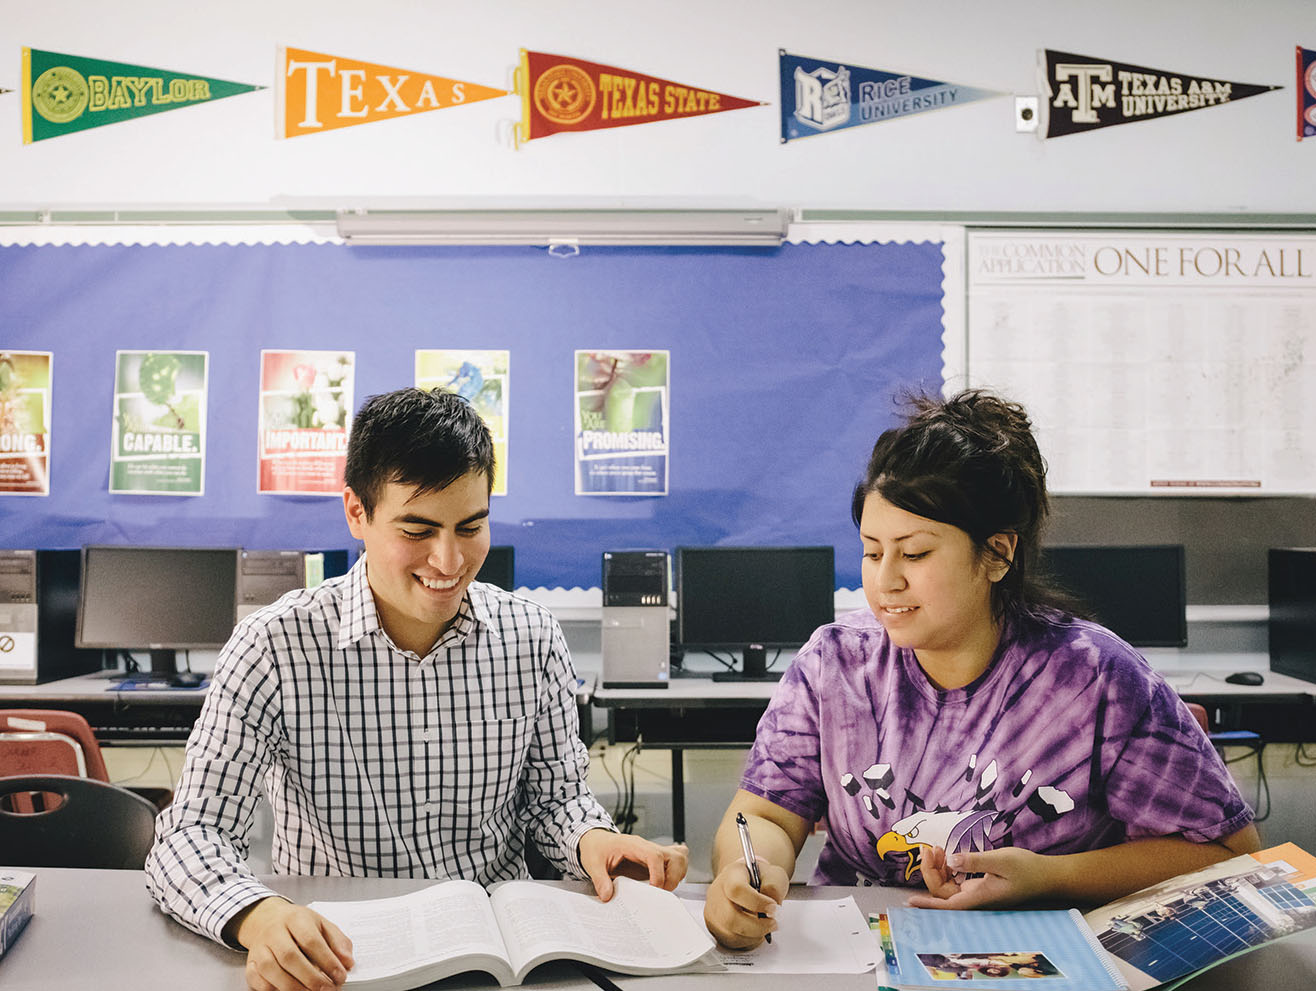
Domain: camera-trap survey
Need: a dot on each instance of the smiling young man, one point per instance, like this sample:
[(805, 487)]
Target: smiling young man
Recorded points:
[(404, 720)]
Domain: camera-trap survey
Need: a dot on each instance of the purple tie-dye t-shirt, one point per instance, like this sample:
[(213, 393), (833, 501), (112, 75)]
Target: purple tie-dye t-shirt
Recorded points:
[(1068, 742)]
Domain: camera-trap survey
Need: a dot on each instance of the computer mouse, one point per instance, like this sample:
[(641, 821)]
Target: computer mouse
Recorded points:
[(1245, 678), (188, 679)]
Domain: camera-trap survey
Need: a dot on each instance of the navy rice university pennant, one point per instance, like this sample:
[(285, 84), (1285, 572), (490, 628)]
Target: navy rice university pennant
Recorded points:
[(819, 96), (1086, 93)]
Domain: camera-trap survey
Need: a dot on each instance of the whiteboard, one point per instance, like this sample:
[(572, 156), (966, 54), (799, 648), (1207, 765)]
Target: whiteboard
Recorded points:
[(1153, 363)]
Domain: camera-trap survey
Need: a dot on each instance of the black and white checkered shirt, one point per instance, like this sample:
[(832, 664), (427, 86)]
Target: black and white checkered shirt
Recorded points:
[(376, 762)]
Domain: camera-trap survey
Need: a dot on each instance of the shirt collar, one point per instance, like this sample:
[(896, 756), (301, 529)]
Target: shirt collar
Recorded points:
[(360, 618)]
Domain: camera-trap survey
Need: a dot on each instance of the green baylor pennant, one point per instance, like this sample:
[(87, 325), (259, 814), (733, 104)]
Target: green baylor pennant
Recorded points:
[(64, 93)]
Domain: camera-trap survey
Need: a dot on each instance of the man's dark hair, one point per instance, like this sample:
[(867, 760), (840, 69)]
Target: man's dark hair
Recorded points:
[(413, 437)]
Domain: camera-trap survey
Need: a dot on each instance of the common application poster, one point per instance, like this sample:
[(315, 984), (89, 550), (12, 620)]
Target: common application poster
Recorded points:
[(1153, 363), (481, 378), (25, 422), (305, 415), (158, 433), (622, 416)]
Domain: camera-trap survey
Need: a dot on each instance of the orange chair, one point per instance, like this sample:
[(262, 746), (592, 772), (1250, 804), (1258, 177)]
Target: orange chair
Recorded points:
[(49, 741), (52, 741), (1199, 713)]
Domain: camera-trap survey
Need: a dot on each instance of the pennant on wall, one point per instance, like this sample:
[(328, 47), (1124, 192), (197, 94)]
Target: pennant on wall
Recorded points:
[(64, 93), (819, 96), (567, 94), (318, 92), (1306, 93), (1085, 93)]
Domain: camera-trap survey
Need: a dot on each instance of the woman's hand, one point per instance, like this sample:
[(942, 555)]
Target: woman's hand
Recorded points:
[(1008, 876), (732, 906)]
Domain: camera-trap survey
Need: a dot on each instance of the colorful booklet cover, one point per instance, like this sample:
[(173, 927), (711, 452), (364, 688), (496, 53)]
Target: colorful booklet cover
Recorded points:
[(18, 891), (1168, 932), (1157, 937), (1008, 950)]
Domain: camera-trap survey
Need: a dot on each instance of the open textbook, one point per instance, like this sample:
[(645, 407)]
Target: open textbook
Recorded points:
[(1168, 932), (455, 926)]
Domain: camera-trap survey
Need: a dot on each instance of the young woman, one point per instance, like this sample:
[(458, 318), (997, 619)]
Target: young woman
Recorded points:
[(966, 734)]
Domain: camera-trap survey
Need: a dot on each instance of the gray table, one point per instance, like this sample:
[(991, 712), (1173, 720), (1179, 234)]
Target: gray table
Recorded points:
[(99, 930)]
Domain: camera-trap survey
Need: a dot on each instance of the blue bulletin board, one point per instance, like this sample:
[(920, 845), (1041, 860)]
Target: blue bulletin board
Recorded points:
[(784, 364)]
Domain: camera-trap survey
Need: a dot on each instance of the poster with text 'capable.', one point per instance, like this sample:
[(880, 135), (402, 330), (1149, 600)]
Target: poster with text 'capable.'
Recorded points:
[(306, 399), (622, 422), (158, 433), (1170, 363), (25, 422), (481, 378)]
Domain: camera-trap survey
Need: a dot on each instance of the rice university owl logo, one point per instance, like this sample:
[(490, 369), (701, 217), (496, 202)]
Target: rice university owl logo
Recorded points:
[(822, 97)]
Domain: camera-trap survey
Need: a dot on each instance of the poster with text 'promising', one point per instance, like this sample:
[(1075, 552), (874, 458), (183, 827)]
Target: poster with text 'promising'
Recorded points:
[(158, 434), (479, 377), (25, 422), (305, 415), (622, 416)]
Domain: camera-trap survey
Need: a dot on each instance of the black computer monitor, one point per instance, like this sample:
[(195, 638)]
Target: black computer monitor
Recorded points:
[(160, 599), (1291, 573), (1137, 592), (729, 598), (499, 568)]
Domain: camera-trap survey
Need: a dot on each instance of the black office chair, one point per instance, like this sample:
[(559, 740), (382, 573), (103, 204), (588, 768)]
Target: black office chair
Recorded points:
[(81, 823)]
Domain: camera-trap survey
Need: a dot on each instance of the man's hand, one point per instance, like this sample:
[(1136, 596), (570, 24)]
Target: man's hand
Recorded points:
[(291, 948), (605, 855), (732, 906), (1009, 875)]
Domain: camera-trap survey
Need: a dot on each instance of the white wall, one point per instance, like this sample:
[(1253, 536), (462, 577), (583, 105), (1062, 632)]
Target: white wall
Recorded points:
[(1240, 157)]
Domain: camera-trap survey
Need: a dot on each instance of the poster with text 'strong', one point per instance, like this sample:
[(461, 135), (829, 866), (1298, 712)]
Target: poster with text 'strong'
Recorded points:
[(25, 379)]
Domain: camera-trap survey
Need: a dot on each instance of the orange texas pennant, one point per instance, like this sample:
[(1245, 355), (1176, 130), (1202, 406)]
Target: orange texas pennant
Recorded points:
[(559, 93), (320, 92)]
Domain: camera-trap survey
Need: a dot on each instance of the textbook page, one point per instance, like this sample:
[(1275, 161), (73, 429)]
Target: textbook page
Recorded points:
[(813, 937), (445, 929), (640, 930)]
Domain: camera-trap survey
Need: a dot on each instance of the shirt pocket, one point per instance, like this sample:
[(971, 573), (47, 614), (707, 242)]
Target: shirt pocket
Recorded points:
[(479, 768)]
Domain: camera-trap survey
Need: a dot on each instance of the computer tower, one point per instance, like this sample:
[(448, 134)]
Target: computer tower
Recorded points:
[(1292, 625), (637, 632), (263, 576), (38, 617)]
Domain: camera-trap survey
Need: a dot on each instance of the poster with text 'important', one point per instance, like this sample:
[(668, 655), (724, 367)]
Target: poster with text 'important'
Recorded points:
[(305, 415)]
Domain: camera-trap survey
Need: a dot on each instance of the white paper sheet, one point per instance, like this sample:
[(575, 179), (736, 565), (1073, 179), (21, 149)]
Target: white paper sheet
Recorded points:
[(815, 937)]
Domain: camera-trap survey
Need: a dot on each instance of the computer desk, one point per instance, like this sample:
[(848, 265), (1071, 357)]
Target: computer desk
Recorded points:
[(697, 713), (155, 716), (99, 929)]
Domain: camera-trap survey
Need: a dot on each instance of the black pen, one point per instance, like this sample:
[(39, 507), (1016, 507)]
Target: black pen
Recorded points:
[(755, 881), (597, 976)]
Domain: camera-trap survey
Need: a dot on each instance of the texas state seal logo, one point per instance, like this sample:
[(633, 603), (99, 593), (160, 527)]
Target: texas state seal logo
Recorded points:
[(60, 94), (564, 94)]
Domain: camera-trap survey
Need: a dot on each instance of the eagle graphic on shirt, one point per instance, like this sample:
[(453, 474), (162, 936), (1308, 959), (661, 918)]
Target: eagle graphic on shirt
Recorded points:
[(951, 831), (964, 830)]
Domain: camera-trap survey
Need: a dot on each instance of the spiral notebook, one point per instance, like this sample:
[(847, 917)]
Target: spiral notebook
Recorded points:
[(998, 951)]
